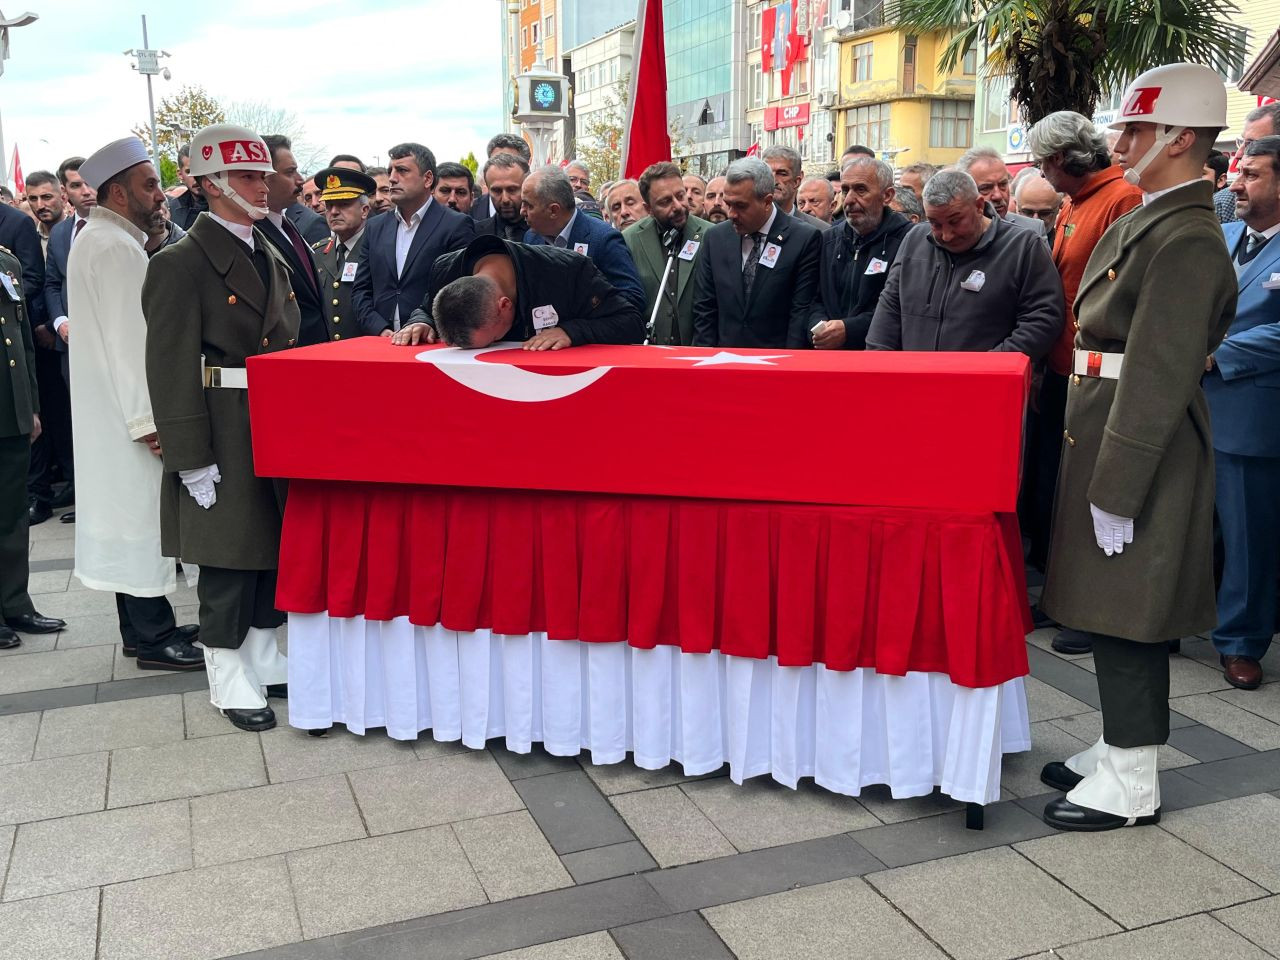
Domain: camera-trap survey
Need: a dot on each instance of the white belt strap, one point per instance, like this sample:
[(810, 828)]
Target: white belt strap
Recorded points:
[(235, 378), (1093, 363)]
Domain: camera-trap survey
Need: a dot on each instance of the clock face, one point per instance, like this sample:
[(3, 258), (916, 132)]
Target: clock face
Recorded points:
[(544, 95)]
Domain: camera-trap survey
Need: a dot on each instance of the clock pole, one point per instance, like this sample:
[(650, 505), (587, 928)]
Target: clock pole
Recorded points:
[(541, 104)]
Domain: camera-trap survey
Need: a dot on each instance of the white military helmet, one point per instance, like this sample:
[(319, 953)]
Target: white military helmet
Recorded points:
[(225, 148), (1176, 96)]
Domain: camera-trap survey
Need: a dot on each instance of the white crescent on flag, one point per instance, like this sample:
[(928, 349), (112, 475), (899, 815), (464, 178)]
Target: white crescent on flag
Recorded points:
[(505, 381)]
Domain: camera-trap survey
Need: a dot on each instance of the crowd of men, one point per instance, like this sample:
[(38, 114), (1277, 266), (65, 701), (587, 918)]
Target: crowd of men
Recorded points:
[(145, 405)]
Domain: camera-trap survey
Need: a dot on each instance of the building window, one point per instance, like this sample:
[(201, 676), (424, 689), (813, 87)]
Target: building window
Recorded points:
[(995, 113), (753, 39), (1231, 67), (951, 124), (970, 65), (534, 28), (524, 36), (862, 62), (755, 86), (869, 126)]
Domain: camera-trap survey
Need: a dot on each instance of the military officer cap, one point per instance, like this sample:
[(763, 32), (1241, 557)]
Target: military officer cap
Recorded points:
[(341, 183)]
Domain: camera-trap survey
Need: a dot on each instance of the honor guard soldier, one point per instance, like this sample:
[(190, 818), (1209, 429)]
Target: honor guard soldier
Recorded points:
[(19, 428), (212, 301), (1131, 555), (346, 194)]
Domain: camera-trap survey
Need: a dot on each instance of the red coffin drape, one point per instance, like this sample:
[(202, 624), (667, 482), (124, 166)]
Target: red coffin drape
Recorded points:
[(890, 589)]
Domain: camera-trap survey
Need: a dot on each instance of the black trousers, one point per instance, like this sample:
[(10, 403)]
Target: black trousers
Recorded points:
[(53, 449), (232, 601), (146, 623), (1133, 687), (1040, 474), (15, 456)]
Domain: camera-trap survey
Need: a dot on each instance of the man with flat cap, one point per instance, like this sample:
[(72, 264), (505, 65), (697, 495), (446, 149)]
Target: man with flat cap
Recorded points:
[(495, 289), (113, 429), (346, 194)]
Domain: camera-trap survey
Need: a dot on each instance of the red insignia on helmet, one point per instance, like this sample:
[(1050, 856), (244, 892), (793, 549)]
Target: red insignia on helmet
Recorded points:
[(1141, 102), (206, 152), (243, 151)]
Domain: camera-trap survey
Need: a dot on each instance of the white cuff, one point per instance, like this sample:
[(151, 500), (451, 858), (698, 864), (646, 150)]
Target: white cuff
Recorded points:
[(58, 322)]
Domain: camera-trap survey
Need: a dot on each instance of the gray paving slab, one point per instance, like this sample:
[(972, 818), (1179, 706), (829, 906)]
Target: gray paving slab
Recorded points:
[(1191, 938), (18, 737), (97, 848), (57, 668), (31, 643), (406, 796), (671, 826), (244, 824), (1045, 702), (108, 726), (571, 812), (1088, 727), (1066, 677), (1114, 871), (592, 946), (1234, 721), (293, 755), (602, 863), (1263, 702), (817, 923), (156, 684), (61, 927), (199, 914), (45, 789), (47, 581), (1239, 776), (203, 719), (33, 701), (40, 566), (1243, 833), (536, 763), (1259, 921), (882, 805), (952, 900), (510, 856), (678, 937), (1020, 772), (91, 630), (364, 883), (763, 813), (426, 747), (931, 838), (626, 777), (77, 603), (187, 768), (761, 872)]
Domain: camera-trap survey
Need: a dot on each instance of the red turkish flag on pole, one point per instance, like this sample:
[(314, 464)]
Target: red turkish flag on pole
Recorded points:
[(19, 182), (646, 139)]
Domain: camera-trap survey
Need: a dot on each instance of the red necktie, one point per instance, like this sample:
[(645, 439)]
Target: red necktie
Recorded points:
[(75, 232)]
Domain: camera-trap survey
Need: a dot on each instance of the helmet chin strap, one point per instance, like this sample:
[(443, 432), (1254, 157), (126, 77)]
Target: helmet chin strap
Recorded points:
[(1163, 139), (221, 182)]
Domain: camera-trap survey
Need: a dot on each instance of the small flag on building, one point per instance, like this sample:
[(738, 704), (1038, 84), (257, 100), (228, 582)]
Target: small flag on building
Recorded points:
[(19, 182), (647, 139)]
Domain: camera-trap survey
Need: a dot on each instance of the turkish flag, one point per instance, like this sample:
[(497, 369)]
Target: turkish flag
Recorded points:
[(647, 140), (19, 182), (768, 20)]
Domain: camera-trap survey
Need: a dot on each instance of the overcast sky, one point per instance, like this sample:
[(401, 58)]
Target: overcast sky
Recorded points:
[(361, 74)]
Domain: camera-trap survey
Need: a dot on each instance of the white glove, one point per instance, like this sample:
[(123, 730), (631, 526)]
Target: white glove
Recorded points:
[(199, 484), (1112, 532)]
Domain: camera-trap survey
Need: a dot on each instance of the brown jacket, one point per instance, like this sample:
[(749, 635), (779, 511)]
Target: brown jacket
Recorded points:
[(1160, 289), (204, 296)]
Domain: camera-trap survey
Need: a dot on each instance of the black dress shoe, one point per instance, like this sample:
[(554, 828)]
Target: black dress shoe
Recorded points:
[(189, 632), (38, 513), (64, 499), (9, 639), (68, 517), (175, 655), (1072, 641), (1065, 815), (263, 719), (1040, 619), (319, 731), (1059, 776), (34, 623), (280, 691)]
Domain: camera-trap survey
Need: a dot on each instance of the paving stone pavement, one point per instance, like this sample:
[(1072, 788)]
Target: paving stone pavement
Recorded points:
[(136, 823)]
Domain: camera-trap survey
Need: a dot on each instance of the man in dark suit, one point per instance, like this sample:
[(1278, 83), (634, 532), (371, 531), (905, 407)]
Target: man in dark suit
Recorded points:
[(1243, 387), (281, 232), (399, 249), (504, 175), (548, 204), (345, 194), (669, 233), (759, 272), (184, 209), (286, 191), (513, 145), (498, 290)]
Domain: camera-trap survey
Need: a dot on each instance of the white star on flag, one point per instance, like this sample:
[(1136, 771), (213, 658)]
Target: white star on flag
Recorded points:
[(724, 356)]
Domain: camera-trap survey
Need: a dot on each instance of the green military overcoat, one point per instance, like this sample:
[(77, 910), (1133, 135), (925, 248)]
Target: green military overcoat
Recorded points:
[(1161, 289), (644, 241), (19, 399), (203, 295), (335, 293)]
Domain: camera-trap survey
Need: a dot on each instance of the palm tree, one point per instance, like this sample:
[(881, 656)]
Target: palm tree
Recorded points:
[(1064, 54)]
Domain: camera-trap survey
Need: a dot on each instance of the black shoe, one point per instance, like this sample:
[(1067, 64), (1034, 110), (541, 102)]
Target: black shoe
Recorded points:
[(189, 632), (66, 498), (319, 731), (68, 517), (1040, 619), (34, 623), (1072, 641), (9, 639), (1175, 646), (129, 651), (1065, 815), (38, 513), (280, 691), (175, 655), (263, 719), (1059, 776)]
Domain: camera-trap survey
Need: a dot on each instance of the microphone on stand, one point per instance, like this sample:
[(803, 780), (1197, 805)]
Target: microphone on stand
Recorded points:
[(669, 241)]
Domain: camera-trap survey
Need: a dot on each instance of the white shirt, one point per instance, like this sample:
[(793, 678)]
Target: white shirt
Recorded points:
[(241, 231), (564, 234), (405, 233), (76, 220), (350, 243), (747, 240), (1151, 197)]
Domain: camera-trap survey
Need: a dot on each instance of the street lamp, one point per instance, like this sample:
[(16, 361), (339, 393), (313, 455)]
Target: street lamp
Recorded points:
[(149, 65), (22, 20)]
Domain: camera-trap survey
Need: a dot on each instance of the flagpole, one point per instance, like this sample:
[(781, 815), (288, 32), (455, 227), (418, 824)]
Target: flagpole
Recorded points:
[(637, 45)]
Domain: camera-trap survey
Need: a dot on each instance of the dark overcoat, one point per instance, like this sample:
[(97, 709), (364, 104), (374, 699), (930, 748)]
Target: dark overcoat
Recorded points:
[(1159, 288)]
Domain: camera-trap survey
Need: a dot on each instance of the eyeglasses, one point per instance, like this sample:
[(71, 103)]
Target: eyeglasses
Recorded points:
[(1241, 143)]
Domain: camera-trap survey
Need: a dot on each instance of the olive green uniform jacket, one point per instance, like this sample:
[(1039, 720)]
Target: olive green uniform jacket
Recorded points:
[(644, 240), (203, 295), (335, 293), (1161, 289), (19, 400)]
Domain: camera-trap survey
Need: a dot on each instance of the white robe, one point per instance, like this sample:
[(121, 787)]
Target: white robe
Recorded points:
[(117, 478)]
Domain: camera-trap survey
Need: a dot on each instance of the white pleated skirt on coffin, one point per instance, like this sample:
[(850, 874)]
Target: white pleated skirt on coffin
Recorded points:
[(846, 729)]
